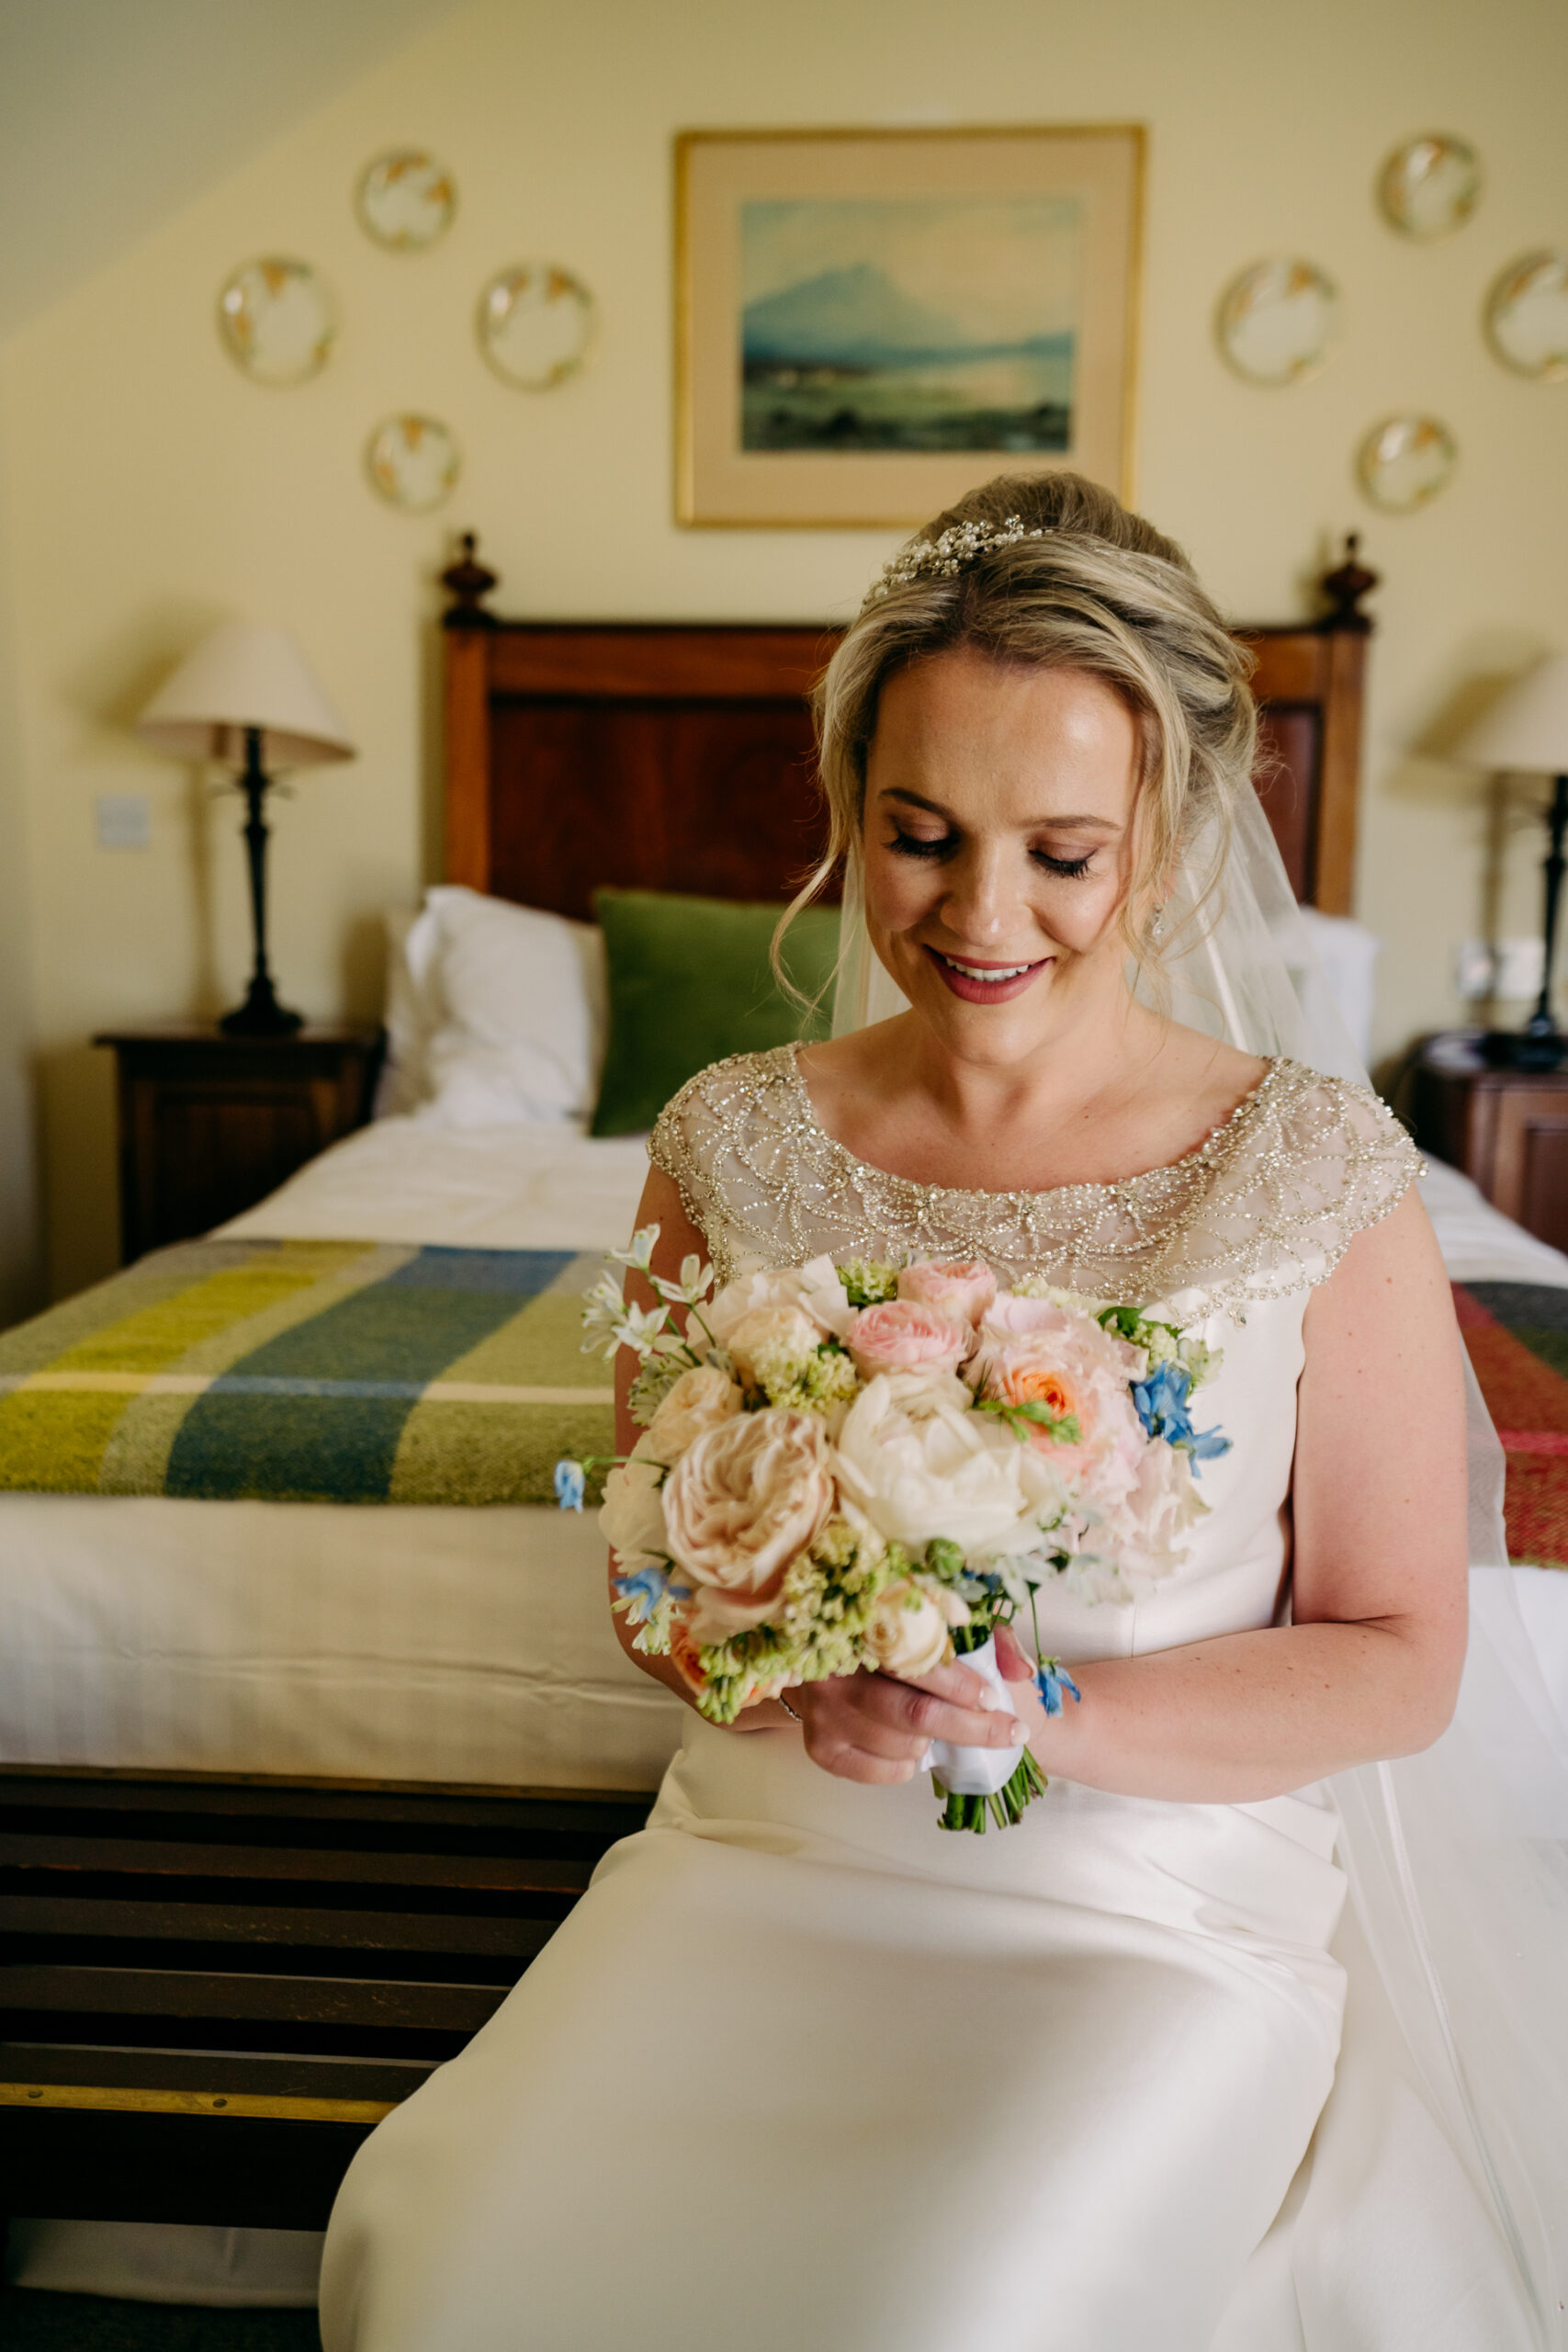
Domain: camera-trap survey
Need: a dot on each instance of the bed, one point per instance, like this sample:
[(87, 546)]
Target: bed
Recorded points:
[(378, 1746)]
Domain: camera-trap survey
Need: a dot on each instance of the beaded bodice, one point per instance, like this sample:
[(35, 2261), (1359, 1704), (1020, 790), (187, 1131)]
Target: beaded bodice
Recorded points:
[(1268, 1204)]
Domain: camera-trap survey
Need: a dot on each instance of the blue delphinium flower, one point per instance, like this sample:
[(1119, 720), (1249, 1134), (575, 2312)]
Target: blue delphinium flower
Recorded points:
[(1050, 1679), (571, 1485), (1162, 1404), (644, 1589)]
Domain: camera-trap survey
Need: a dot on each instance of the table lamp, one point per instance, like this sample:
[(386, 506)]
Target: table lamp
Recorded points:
[(1526, 733), (247, 696)]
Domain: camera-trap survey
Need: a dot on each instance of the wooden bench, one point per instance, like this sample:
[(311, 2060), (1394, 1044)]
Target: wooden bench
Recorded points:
[(212, 1991)]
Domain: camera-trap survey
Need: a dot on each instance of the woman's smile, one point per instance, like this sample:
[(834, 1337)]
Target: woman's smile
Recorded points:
[(985, 983)]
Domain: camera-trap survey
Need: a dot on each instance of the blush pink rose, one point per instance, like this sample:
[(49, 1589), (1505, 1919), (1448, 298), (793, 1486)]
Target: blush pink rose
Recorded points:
[(1010, 1313), (905, 1335), (963, 1288)]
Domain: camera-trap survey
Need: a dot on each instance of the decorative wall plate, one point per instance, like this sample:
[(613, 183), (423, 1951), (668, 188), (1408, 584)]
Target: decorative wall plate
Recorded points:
[(278, 319), (1527, 314), (406, 200), (1430, 187), (1278, 321), (1405, 461), (412, 461), (536, 324)]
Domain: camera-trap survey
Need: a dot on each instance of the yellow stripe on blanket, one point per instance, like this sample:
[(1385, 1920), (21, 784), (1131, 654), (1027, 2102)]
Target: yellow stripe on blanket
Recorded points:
[(207, 1324), (185, 1384)]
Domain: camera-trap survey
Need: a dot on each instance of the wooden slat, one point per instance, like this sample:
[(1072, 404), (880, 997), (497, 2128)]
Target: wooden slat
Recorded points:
[(229, 2106), (62, 1917), (173, 1993), (154, 1858), (200, 2072), (610, 1814)]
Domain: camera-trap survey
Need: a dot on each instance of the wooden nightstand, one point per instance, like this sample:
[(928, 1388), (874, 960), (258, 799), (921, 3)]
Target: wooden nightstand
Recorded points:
[(1507, 1128), (210, 1124)]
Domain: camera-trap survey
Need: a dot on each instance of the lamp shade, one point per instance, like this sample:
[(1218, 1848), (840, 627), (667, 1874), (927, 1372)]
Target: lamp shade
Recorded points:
[(242, 676), (1526, 730)]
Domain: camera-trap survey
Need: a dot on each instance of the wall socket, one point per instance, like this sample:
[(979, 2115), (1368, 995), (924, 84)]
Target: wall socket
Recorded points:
[(1511, 969), (122, 820)]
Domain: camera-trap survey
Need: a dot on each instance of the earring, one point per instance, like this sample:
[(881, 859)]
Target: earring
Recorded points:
[(1159, 923)]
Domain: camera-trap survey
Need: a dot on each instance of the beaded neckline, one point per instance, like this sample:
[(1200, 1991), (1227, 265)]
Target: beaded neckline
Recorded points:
[(1268, 1203), (1227, 1131)]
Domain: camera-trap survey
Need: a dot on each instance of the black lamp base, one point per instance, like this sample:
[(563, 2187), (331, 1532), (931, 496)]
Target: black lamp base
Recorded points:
[(1527, 1048), (261, 1015)]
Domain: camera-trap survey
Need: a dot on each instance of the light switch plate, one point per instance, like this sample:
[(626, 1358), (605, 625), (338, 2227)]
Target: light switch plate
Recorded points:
[(1521, 964), (122, 820)]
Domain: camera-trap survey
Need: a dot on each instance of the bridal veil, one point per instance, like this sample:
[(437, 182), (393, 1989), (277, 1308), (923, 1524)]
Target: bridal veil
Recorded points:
[(1458, 1858)]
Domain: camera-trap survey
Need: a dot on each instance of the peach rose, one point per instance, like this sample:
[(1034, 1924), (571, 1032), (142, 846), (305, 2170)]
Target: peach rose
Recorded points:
[(1068, 1363), (963, 1288), (738, 1507), (905, 1335), (698, 1401)]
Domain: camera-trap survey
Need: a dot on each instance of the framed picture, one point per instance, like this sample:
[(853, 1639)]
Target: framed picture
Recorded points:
[(871, 322)]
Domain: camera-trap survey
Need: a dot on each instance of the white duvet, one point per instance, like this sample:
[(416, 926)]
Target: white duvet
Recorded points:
[(365, 1642), (386, 1642)]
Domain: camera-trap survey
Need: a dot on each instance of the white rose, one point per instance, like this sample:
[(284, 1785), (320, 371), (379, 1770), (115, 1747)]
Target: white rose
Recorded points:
[(920, 1464), (907, 1633), (631, 1518), (815, 1288), (699, 1401), (750, 1294), (739, 1507), (787, 1329)]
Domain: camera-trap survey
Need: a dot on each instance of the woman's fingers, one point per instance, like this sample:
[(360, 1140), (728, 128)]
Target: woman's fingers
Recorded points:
[(1013, 1665), (923, 1711)]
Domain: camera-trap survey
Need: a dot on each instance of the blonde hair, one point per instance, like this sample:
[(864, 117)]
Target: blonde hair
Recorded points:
[(1100, 591)]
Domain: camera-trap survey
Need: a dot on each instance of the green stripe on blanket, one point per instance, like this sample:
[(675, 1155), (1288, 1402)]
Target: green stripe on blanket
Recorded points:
[(309, 1371)]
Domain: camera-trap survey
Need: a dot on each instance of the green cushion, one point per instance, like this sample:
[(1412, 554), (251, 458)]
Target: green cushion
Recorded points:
[(690, 981)]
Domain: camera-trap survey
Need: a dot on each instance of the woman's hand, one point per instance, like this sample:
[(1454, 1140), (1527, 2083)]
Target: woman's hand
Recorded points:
[(872, 1727)]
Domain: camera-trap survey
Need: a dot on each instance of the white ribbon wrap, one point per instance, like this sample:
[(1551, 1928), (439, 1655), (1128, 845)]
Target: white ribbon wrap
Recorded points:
[(977, 1772)]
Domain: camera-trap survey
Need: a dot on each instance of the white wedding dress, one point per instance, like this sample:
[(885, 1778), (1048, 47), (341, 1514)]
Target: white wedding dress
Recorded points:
[(801, 2070)]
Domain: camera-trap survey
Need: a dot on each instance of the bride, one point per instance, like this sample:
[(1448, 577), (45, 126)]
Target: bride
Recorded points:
[(799, 2070)]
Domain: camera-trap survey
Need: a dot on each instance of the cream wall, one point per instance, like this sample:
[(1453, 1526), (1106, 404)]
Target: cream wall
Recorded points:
[(151, 489)]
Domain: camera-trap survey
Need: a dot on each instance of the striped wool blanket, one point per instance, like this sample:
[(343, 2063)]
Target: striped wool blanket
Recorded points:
[(1517, 1337), (335, 1372)]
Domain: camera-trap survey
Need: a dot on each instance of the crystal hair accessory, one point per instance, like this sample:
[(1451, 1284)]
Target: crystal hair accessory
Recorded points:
[(952, 552)]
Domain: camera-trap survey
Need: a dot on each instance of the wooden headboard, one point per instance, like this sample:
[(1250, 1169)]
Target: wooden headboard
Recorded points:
[(675, 756)]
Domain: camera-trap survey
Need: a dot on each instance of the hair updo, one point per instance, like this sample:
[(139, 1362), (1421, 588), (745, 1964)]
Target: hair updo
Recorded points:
[(1101, 590)]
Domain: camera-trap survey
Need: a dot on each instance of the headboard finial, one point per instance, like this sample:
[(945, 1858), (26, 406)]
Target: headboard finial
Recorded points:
[(1346, 586), (467, 582)]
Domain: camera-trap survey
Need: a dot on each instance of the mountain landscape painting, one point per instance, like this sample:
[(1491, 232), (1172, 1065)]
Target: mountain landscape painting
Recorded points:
[(912, 325)]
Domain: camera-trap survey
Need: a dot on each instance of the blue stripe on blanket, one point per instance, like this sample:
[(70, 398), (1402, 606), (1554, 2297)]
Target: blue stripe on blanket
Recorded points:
[(348, 1379)]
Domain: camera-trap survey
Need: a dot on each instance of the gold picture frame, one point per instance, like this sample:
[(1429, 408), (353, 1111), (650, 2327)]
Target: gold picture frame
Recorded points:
[(870, 322)]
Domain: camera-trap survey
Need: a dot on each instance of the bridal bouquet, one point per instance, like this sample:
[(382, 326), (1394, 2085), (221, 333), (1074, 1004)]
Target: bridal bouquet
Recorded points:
[(857, 1464)]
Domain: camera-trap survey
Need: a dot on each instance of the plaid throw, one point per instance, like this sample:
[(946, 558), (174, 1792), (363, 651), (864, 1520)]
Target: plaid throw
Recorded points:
[(1518, 1338), (334, 1372)]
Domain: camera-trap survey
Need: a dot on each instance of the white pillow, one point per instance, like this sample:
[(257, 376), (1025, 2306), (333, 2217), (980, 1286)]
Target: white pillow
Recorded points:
[(497, 1014), (404, 1082)]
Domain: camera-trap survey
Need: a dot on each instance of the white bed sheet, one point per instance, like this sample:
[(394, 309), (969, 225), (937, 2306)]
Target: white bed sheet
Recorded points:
[(363, 1642), (382, 1642)]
